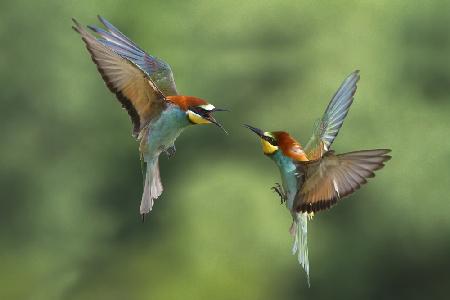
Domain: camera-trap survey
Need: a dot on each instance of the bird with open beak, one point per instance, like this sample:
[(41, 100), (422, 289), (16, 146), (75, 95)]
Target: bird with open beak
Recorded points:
[(314, 178), (145, 87)]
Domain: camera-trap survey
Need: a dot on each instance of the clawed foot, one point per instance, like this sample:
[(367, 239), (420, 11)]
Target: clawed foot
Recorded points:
[(279, 190), (171, 151)]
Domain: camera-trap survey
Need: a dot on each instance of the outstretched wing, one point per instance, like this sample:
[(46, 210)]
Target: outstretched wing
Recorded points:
[(134, 89), (323, 182), (327, 128), (158, 70)]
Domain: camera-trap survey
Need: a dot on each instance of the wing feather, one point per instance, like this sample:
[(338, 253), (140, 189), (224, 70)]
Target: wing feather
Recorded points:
[(333, 177), (327, 128), (157, 69), (134, 89)]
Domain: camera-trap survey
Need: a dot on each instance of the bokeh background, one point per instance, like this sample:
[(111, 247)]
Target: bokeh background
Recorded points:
[(70, 173)]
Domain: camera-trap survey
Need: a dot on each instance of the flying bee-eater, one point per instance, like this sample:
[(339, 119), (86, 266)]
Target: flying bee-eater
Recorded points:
[(314, 178), (145, 86)]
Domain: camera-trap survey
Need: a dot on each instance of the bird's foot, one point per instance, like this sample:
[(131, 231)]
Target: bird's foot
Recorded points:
[(279, 190), (171, 151), (310, 216)]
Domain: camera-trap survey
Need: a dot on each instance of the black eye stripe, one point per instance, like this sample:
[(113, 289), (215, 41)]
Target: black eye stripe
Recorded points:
[(200, 111), (271, 140)]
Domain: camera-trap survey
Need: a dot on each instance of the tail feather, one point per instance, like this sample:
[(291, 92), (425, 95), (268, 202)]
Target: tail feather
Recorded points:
[(299, 230), (152, 187)]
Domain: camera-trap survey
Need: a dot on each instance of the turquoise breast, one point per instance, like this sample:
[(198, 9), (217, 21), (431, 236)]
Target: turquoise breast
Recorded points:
[(287, 171), (164, 131)]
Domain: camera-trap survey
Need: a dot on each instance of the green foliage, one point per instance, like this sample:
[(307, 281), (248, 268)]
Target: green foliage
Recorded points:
[(70, 175)]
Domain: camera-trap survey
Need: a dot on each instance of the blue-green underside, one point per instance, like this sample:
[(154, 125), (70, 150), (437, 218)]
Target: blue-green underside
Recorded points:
[(160, 135), (164, 131), (300, 220)]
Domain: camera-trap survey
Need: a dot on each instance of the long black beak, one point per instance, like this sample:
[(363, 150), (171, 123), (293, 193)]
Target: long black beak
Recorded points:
[(214, 121), (219, 109), (258, 131)]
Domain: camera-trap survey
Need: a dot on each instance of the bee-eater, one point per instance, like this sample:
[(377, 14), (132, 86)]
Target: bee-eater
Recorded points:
[(145, 87), (315, 178)]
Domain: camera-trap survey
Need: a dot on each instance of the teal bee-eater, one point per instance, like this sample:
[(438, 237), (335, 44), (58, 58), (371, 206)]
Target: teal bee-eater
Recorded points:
[(145, 87), (314, 178)]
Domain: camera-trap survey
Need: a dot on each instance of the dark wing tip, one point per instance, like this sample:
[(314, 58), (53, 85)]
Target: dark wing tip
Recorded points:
[(106, 23), (356, 73), (352, 76), (76, 25), (93, 28), (383, 153), (317, 206), (101, 19)]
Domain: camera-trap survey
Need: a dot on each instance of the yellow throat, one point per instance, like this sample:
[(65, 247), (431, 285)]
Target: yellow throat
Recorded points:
[(267, 147), (196, 119)]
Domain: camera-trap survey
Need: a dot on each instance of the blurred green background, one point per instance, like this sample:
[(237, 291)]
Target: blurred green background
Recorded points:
[(70, 173)]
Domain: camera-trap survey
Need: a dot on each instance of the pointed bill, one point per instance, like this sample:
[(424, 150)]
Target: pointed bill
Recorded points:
[(258, 131), (215, 122)]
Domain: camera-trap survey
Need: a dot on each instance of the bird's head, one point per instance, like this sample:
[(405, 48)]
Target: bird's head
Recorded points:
[(198, 111), (279, 140)]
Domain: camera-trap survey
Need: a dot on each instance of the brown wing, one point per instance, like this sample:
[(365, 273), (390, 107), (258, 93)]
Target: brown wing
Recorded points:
[(134, 89), (333, 177)]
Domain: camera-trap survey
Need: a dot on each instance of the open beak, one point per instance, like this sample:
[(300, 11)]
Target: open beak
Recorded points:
[(210, 118), (258, 131)]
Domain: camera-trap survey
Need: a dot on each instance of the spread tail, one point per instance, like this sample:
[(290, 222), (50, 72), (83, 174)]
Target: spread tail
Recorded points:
[(152, 187), (299, 229)]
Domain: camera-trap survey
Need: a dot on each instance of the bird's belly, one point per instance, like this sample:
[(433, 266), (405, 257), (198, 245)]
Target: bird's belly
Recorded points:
[(290, 186), (165, 130), (163, 136), (288, 179)]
